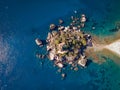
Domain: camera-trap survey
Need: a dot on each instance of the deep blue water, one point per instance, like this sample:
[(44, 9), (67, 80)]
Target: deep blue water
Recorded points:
[(21, 21)]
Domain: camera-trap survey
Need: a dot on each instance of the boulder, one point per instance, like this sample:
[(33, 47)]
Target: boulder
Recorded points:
[(82, 62), (72, 17), (60, 65), (51, 56), (76, 68), (61, 28), (52, 26), (38, 42), (83, 18), (61, 21), (63, 75)]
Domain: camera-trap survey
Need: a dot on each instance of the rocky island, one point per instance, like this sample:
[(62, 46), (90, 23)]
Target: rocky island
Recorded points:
[(71, 46), (66, 45)]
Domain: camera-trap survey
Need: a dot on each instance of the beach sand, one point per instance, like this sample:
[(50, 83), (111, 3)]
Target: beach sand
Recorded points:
[(103, 49), (114, 47), (111, 43)]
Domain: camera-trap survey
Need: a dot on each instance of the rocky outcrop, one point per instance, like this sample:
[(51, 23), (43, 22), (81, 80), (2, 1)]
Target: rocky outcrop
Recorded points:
[(52, 26), (38, 42), (83, 18), (82, 61)]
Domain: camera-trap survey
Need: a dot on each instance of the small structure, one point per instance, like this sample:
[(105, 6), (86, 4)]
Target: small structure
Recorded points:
[(82, 25), (38, 42)]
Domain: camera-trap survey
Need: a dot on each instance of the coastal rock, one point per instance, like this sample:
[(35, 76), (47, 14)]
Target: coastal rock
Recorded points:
[(40, 56), (63, 75), (49, 36), (72, 17), (54, 33), (75, 28), (60, 65), (82, 25), (76, 68), (48, 48), (52, 26), (51, 56), (79, 26), (82, 61), (75, 11), (61, 28), (38, 42), (59, 70), (83, 18)]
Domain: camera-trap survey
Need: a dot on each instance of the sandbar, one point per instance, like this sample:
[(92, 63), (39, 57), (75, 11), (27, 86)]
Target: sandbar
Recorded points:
[(114, 47)]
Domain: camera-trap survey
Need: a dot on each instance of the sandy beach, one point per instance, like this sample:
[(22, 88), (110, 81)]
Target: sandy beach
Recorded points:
[(114, 47), (106, 49)]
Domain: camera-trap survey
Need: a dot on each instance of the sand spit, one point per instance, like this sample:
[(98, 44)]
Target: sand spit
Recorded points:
[(114, 47)]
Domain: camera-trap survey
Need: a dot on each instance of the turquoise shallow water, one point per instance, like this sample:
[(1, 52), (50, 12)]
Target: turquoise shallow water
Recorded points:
[(22, 21)]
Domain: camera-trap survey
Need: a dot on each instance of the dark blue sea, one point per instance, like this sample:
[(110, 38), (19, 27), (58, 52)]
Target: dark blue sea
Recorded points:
[(21, 21)]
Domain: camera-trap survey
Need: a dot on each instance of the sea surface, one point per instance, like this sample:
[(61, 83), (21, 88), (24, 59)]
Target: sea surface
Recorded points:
[(21, 21)]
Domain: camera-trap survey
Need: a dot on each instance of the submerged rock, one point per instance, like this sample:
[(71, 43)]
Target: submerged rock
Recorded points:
[(82, 25), (72, 17), (59, 70), (76, 68), (61, 28), (60, 65), (40, 56), (61, 21)]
